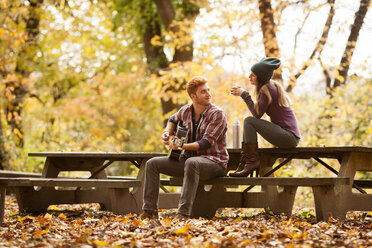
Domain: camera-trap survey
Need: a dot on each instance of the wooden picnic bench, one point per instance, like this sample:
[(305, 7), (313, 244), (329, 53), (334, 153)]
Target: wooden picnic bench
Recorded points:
[(26, 185), (333, 196), (38, 191)]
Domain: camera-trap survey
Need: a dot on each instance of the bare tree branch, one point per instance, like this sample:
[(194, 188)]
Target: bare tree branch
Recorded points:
[(318, 48)]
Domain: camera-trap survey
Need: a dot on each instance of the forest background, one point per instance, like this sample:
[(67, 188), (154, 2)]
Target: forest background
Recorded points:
[(104, 75)]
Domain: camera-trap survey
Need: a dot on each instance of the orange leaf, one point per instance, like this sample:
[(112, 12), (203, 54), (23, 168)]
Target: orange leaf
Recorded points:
[(166, 222)]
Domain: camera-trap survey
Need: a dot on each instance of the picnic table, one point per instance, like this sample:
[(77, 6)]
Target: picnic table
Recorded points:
[(121, 195), (333, 196)]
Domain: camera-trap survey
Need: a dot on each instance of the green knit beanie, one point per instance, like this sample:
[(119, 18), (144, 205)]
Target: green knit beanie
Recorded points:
[(265, 68)]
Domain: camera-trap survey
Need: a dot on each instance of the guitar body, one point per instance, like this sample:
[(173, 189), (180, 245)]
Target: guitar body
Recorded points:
[(180, 137)]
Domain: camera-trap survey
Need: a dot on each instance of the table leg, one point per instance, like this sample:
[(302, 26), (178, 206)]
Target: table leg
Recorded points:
[(105, 202), (2, 203), (351, 163), (49, 170), (279, 199), (207, 202), (124, 201), (335, 201), (326, 203)]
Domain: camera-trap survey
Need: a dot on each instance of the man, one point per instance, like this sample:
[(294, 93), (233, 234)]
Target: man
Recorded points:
[(205, 155)]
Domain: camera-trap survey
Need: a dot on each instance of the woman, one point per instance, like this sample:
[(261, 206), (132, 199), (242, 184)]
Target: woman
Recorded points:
[(282, 131)]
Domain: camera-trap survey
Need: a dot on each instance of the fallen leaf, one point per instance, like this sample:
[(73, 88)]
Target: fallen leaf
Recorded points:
[(100, 243), (182, 230), (166, 222)]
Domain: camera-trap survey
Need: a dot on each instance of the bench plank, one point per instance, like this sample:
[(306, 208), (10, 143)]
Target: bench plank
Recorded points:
[(118, 156), (8, 173), (282, 181), (68, 182), (306, 152)]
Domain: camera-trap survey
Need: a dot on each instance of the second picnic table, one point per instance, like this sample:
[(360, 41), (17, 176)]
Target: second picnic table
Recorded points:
[(119, 198)]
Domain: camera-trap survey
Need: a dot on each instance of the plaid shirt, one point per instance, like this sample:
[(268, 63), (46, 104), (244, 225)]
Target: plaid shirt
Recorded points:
[(212, 127)]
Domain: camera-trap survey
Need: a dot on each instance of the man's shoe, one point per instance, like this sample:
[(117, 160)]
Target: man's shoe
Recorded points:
[(148, 214)]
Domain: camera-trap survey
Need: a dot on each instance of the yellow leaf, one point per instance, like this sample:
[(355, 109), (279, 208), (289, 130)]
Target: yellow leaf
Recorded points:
[(10, 116), (238, 219), (48, 216), (183, 230), (16, 131), (100, 243), (39, 233), (53, 207), (62, 216)]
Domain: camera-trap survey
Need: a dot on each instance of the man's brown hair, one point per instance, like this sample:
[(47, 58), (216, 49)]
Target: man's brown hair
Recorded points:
[(194, 83)]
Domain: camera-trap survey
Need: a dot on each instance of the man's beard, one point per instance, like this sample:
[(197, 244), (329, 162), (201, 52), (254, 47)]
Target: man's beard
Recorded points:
[(202, 101)]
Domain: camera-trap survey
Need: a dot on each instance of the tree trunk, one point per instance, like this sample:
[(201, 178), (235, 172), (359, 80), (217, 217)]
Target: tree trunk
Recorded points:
[(4, 160), (156, 58), (268, 28), (351, 42), (17, 89), (182, 53)]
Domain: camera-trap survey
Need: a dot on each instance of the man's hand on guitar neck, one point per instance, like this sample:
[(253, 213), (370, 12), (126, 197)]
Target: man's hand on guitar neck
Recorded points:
[(194, 146), (174, 146)]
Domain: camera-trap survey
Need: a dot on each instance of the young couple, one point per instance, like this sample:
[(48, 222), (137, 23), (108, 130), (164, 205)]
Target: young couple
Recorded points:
[(205, 155)]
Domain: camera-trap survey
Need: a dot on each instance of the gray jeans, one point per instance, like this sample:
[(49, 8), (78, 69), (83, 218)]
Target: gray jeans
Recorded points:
[(191, 169), (271, 132)]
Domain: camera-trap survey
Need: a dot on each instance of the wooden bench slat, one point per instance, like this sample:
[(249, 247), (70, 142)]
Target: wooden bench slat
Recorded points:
[(117, 156), (363, 183), (69, 182), (305, 152), (283, 181), (11, 174), (320, 150), (8, 173)]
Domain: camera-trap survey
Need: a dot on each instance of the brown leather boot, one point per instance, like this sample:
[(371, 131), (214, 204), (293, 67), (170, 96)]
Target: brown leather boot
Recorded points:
[(252, 162), (243, 159)]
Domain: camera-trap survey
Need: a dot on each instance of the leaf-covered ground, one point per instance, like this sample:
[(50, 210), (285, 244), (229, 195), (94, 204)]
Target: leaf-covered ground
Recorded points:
[(86, 226)]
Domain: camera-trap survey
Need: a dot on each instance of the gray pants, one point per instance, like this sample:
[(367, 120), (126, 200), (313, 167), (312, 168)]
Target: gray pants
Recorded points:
[(271, 132), (191, 169)]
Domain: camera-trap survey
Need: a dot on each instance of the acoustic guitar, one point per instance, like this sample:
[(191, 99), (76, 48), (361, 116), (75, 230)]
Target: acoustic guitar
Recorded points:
[(179, 139)]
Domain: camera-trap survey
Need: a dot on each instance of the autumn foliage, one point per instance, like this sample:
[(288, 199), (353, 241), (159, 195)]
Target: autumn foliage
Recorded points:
[(91, 75)]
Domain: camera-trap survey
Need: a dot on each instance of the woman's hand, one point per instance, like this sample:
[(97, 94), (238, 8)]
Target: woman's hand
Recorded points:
[(236, 91)]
